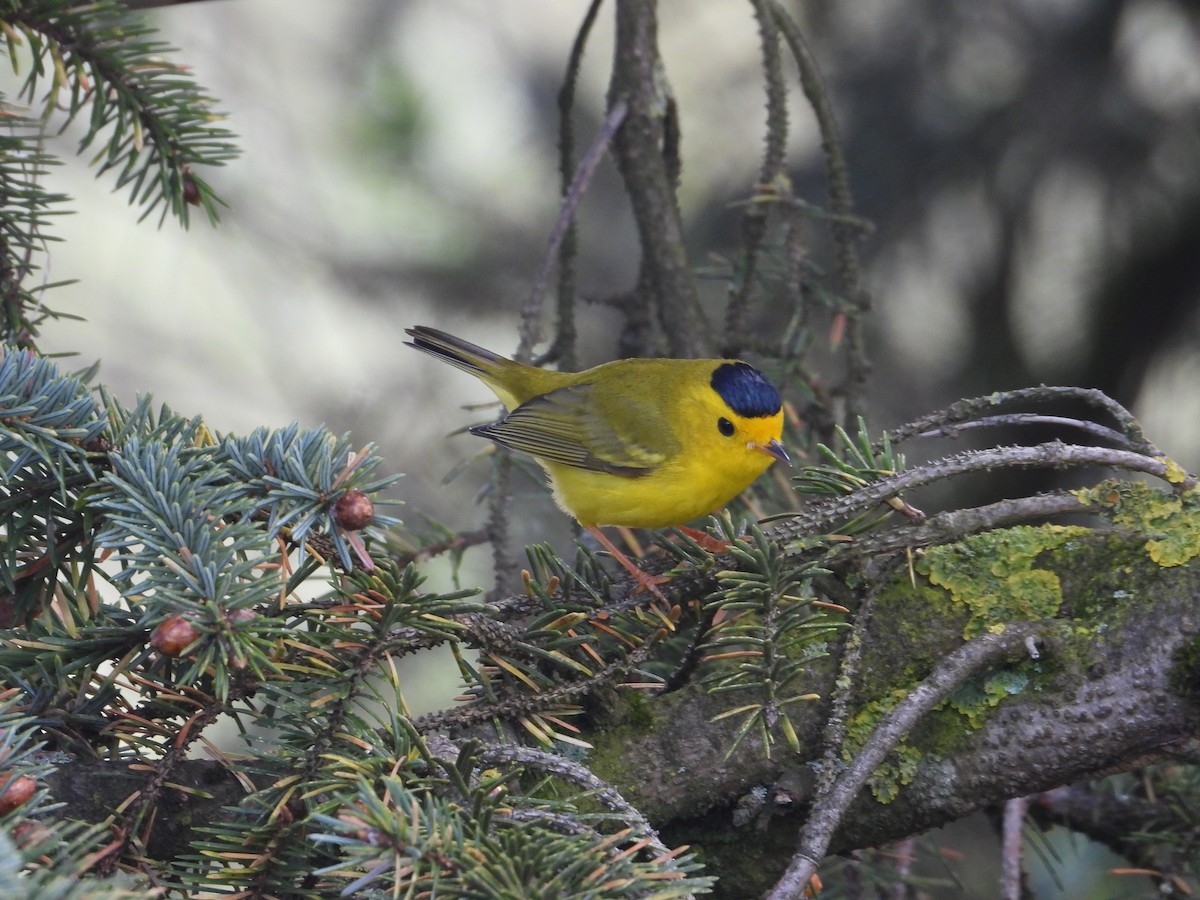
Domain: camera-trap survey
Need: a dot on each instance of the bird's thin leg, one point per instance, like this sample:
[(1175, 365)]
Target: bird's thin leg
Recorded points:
[(644, 579)]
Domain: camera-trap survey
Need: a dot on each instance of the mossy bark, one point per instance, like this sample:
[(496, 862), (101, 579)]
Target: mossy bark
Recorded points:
[(1116, 687)]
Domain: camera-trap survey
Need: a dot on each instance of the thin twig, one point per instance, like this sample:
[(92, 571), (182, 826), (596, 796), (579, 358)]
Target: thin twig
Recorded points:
[(518, 703), (841, 202), (563, 346), (600, 791), (563, 224), (976, 407), (1010, 848), (1095, 429), (463, 540), (1053, 454), (754, 219), (497, 524), (155, 4), (530, 313), (956, 524), (904, 854), (847, 680)]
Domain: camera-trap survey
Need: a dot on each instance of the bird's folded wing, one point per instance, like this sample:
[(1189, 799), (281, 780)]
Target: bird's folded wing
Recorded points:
[(564, 427)]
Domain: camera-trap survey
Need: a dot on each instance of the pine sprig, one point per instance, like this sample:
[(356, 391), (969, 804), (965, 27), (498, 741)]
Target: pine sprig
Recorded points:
[(47, 423), (25, 206), (767, 633), (39, 855), (401, 842), (154, 128), (46, 418), (197, 554), (859, 464), (335, 716), (153, 123), (297, 477), (567, 639)]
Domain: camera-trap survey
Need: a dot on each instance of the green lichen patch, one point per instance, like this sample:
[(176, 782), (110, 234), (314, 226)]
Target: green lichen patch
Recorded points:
[(1078, 577), (938, 733), (1172, 520), (900, 766), (975, 699), (993, 575)]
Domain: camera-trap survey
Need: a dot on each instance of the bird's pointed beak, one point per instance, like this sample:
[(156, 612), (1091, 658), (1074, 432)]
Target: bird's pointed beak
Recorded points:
[(773, 448)]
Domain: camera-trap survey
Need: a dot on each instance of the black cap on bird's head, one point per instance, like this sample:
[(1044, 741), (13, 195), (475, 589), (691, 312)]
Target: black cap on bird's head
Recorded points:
[(745, 390)]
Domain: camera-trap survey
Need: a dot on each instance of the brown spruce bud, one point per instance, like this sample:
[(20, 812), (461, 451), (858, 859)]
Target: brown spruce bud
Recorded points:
[(353, 511), (233, 617), (8, 611), (191, 190), (17, 792), (174, 635), (30, 834), (98, 444)]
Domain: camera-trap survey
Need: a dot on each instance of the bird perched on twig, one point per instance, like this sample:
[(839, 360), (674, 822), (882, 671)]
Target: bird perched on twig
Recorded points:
[(644, 443)]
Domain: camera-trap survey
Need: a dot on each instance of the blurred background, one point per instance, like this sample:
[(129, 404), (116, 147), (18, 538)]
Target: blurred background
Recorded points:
[(1031, 167), (1032, 170)]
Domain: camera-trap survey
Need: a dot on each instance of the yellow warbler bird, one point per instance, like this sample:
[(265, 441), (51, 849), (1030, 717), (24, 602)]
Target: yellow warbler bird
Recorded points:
[(645, 443)]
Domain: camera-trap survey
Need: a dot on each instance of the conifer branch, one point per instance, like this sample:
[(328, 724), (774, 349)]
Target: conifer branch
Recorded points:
[(154, 129)]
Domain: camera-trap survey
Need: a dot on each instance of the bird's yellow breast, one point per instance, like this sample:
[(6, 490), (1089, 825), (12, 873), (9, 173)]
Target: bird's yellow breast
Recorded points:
[(704, 470)]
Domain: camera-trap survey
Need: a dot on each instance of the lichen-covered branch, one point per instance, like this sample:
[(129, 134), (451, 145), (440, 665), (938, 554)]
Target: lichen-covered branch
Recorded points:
[(1114, 689), (829, 809)]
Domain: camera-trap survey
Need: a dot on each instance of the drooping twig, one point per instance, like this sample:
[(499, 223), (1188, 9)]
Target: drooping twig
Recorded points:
[(563, 347), (978, 407), (564, 226), (639, 80), (841, 203), (497, 526), (847, 681), (1012, 827)]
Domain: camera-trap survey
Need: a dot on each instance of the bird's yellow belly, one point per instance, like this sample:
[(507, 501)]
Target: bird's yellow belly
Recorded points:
[(667, 496)]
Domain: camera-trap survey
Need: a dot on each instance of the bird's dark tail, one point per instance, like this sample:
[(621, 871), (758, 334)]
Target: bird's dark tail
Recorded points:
[(459, 353)]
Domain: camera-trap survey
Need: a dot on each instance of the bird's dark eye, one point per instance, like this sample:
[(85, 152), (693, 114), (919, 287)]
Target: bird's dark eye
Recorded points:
[(725, 426)]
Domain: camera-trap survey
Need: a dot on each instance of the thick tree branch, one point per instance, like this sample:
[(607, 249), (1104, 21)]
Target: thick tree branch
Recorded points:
[(1106, 698)]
